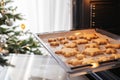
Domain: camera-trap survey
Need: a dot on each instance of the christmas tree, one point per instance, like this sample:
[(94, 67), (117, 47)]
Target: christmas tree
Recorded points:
[(10, 41)]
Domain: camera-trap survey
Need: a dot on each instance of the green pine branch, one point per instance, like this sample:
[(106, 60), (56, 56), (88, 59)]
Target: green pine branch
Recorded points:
[(13, 42)]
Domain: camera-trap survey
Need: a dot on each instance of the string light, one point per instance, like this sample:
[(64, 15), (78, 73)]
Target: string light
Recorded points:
[(23, 26)]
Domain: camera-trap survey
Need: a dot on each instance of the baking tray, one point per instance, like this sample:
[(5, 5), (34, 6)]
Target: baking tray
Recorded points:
[(43, 37)]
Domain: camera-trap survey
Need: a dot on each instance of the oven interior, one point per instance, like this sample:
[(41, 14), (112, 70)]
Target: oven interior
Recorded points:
[(103, 14)]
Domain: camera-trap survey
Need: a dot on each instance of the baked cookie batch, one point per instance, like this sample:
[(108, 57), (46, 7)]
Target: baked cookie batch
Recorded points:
[(84, 49)]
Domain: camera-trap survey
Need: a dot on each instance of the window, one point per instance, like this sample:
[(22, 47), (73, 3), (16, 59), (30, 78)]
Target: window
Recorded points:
[(46, 15)]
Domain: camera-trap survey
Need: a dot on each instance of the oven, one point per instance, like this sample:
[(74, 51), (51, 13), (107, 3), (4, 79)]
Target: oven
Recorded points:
[(101, 16)]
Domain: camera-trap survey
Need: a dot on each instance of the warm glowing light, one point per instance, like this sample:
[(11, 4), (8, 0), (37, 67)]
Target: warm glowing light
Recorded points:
[(23, 26), (93, 6), (77, 34), (94, 65)]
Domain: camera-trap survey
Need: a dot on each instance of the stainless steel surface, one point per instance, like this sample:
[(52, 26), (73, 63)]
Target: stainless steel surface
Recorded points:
[(108, 34), (79, 70)]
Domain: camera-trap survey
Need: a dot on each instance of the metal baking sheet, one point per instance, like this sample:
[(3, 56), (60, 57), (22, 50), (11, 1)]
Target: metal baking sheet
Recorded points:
[(43, 38)]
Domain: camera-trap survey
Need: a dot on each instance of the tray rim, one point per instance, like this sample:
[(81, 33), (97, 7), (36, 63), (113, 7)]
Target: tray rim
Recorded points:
[(68, 69)]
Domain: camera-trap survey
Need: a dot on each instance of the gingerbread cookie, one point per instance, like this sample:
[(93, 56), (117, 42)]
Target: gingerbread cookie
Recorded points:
[(88, 61), (118, 56), (80, 41), (67, 52), (101, 41), (115, 56), (60, 38), (116, 46), (74, 62), (88, 36), (70, 45), (54, 43), (92, 45), (51, 39), (112, 56), (64, 41), (110, 51), (80, 56), (72, 37), (103, 58), (92, 51)]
